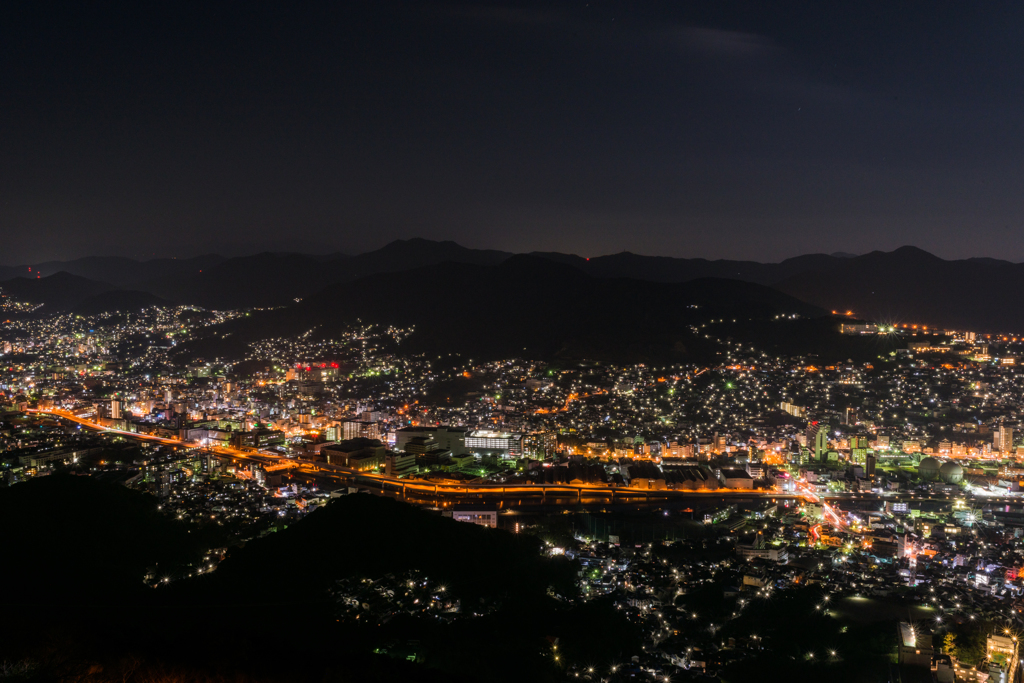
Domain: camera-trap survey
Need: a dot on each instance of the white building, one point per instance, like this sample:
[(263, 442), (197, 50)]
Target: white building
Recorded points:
[(489, 442)]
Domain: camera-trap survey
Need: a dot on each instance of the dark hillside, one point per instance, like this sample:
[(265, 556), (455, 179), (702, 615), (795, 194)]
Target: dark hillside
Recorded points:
[(524, 307)]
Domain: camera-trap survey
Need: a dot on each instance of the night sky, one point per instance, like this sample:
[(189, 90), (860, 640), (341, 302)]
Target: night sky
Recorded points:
[(756, 130)]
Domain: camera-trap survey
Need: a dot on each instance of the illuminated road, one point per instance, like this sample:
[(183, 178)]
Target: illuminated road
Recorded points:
[(235, 453), (432, 490), (830, 514)]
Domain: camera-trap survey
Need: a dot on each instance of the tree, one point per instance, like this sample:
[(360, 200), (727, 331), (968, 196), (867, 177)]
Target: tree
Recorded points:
[(970, 644), (949, 644)]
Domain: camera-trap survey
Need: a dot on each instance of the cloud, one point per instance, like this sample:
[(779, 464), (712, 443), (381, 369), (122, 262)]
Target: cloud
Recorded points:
[(719, 42)]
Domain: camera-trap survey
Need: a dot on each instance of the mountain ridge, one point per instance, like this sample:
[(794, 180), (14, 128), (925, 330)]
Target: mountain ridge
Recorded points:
[(907, 283)]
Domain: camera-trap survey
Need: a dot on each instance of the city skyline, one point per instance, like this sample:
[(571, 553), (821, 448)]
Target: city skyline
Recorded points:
[(867, 484)]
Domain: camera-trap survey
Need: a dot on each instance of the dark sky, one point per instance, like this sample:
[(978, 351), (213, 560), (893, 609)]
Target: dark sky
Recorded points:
[(754, 130)]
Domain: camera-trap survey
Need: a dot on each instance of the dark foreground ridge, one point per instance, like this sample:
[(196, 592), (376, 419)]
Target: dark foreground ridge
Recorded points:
[(85, 615)]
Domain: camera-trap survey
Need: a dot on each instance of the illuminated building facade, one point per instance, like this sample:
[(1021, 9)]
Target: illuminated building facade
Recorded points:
[(488, 442)]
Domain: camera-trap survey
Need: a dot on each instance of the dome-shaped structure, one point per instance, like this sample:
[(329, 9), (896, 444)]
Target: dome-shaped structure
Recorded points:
[(951, 473), (929, 469)]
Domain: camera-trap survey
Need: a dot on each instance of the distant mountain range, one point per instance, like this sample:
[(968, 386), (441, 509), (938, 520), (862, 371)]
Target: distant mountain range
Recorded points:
[(910, 285), (907, 284), (58, 292)]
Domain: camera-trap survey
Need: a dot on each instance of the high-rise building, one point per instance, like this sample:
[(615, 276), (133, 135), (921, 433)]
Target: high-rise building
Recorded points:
[(1002, 439), (793, 409), (360, 429), (817, 440), (115, 408), (540, 444)]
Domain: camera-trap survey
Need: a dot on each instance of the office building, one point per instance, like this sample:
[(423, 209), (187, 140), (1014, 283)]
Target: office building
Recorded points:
[(817, 440), (358, 454), (399, 464), (448, 438), (1002, 439), (483, 515), (360, 429), (500, 444)]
